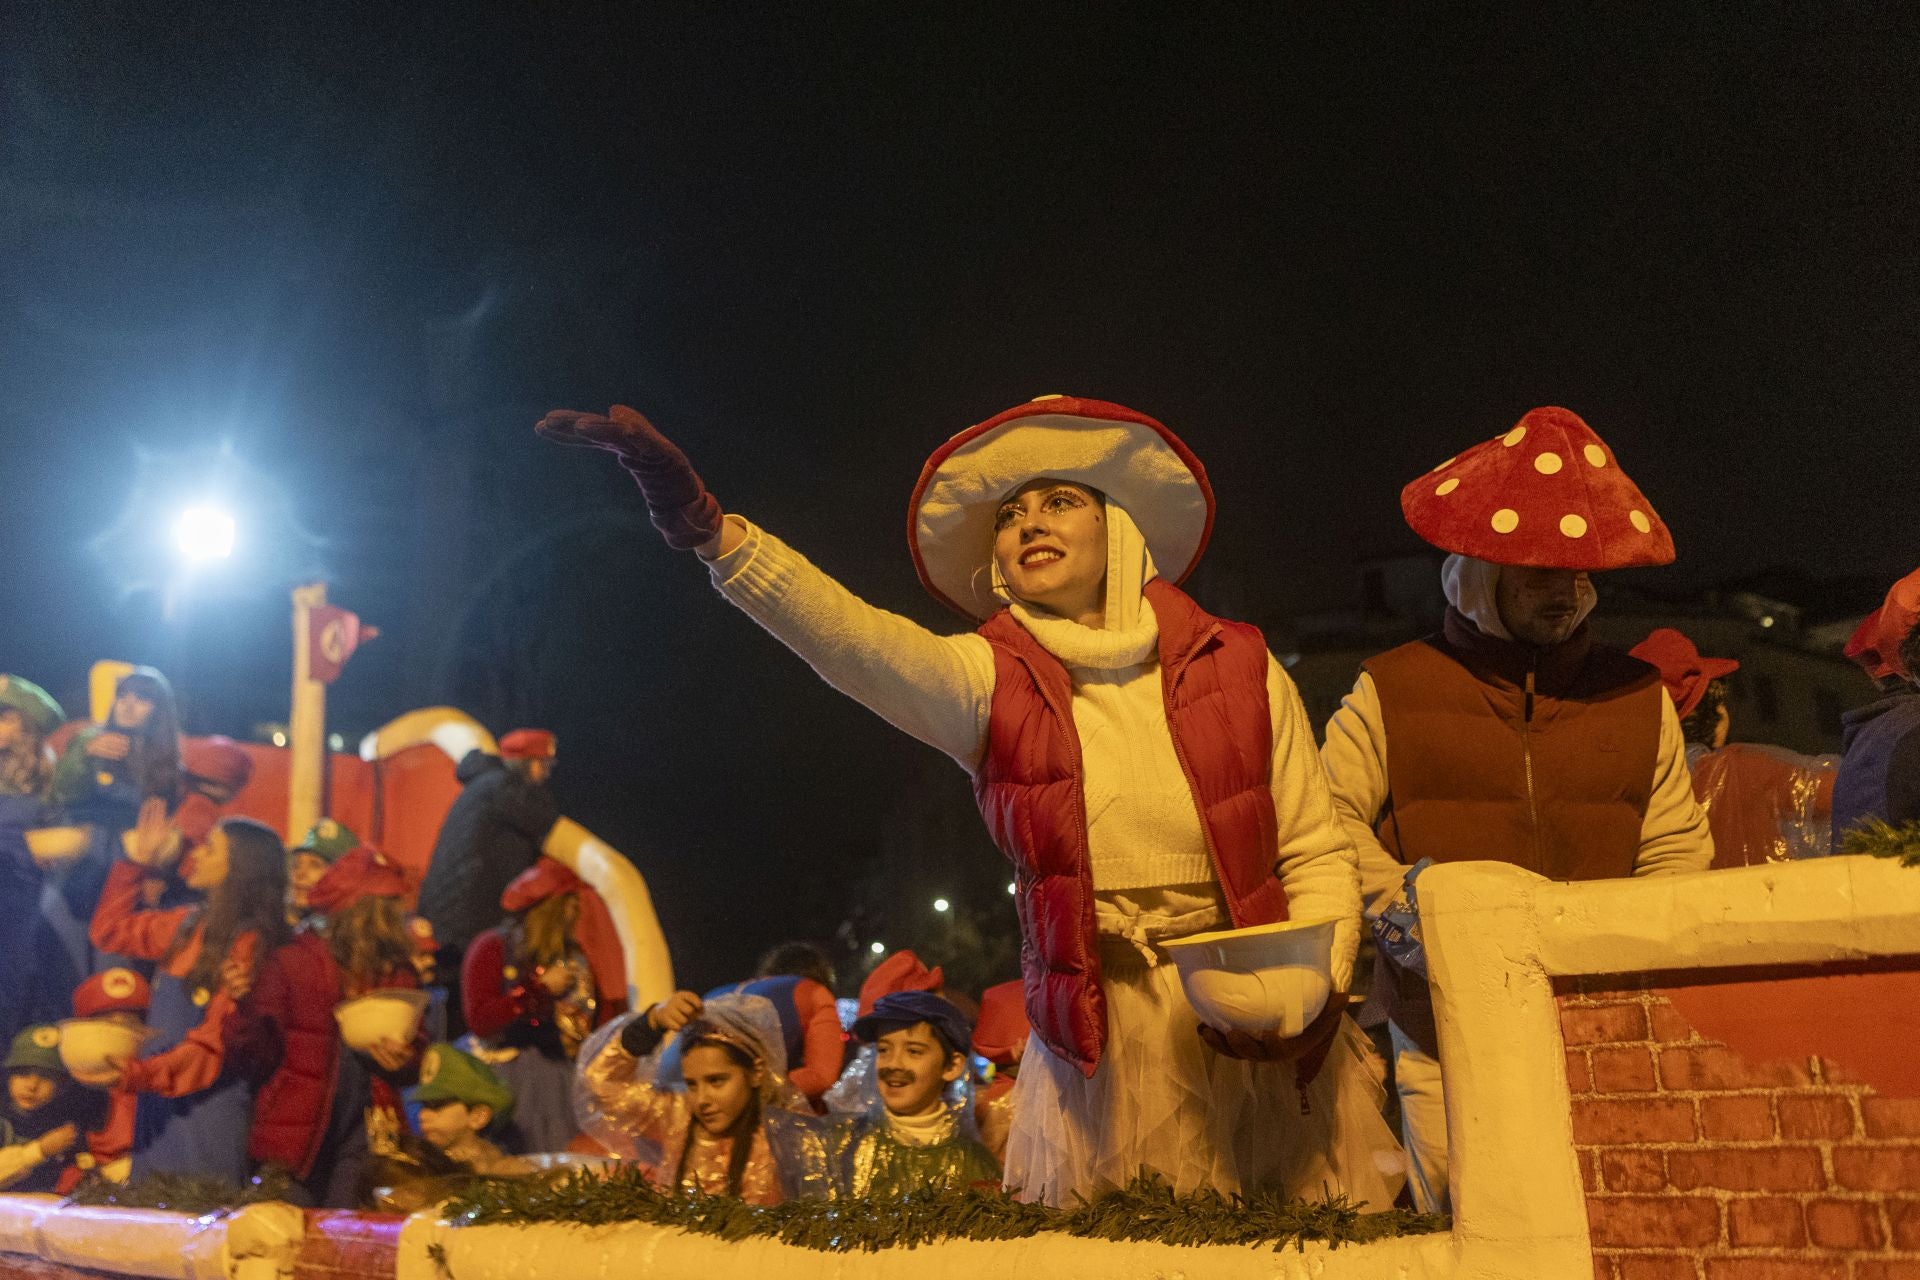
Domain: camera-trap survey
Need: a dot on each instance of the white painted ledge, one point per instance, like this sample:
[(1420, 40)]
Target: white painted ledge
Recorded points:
[(253, 1243)]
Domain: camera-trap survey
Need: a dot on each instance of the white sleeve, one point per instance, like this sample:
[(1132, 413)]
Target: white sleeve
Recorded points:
[(937, 688), (1355, 756), (1674, 836), (1316, 863)]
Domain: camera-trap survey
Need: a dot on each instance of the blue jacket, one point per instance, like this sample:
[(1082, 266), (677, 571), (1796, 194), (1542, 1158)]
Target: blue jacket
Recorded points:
[(1880, 773)]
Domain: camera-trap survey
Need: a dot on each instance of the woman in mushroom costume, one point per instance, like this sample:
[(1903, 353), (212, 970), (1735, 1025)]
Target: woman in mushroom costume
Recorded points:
[(1147, 768)]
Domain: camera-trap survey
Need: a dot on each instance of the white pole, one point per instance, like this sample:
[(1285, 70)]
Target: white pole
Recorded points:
[(306, 722)]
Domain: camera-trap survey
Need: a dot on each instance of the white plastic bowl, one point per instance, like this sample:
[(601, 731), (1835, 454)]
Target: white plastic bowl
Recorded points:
[(1271, 978), (392, 1013), (87, 1043)]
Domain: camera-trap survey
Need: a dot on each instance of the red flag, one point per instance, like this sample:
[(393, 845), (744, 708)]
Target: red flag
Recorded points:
[(332, 636)]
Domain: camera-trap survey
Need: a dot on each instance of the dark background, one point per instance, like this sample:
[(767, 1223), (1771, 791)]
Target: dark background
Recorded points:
[(329, 263)]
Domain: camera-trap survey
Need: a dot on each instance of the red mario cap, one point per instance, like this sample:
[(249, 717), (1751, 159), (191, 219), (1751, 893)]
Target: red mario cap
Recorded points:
[(111, 991), (363, 873), (1683, 670), (544, 879), (1876, 643), (527, 744)]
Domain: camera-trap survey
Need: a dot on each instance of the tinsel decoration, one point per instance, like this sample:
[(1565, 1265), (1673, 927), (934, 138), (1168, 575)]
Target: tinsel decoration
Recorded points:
[(1878, 838), (1146, 1210)]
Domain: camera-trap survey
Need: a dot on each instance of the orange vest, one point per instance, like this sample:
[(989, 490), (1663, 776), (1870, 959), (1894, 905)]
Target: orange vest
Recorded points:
[(1500, 752)]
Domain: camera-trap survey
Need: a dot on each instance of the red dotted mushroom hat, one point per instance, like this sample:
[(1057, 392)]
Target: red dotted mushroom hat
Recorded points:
[(1134, 460), (1875, 644), (1547, 494)]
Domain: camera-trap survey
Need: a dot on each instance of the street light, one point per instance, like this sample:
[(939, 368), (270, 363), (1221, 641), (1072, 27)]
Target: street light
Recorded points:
[(878, 948), (941, 904), (203, 533), (1012, 888)]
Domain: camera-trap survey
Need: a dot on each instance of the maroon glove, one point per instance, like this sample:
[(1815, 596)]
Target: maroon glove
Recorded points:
[(1307, 1051), (679, 505)]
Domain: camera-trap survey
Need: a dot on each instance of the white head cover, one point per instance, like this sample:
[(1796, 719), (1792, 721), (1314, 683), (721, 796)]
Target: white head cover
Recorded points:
[(1136, 462), (1472, 585)]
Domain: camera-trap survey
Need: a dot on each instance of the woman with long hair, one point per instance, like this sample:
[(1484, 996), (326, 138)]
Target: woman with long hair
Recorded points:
[(529, 998), (193, 1112), (324, 1112), (1146, 766)]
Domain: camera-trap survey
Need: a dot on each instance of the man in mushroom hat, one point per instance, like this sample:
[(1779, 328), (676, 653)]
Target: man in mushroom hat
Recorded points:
[(1510, 735)]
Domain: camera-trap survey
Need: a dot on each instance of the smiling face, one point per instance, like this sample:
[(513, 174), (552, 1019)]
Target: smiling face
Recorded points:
[(30, 1090), (1540, 606), (913, 1068), (1050, 545), (718, 1087)]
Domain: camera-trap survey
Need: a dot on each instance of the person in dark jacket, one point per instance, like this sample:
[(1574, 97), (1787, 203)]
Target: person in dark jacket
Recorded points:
[(1880, 773), (493, 832)]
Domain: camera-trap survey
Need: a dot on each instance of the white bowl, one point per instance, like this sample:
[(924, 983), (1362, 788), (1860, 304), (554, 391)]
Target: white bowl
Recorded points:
[(87, 1043), (1271, 978), (392, 1013)]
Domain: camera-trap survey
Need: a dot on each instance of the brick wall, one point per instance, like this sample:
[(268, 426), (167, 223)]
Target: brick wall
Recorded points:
[(1703, 1164)]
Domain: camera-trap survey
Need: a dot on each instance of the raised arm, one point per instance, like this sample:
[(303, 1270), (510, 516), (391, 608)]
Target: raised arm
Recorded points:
[(937, 688)]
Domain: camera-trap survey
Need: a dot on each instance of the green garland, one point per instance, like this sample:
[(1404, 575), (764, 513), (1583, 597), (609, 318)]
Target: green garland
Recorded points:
[(1146, 1210), (181, 1193), (1878, 838)]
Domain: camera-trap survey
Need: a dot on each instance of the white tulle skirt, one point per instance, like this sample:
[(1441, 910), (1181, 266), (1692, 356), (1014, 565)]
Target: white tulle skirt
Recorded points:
[(1161, 1100)]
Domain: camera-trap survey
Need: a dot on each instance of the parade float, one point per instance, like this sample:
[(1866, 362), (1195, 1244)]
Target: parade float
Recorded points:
[(1695, 1076)]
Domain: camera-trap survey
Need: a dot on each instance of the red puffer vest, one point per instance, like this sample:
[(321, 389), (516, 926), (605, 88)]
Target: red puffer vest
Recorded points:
[(285, 1036), (1213, 677)]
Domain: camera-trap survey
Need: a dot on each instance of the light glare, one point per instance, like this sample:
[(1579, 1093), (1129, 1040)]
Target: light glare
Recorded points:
[(203, 533), (878, 948), (941, 904)]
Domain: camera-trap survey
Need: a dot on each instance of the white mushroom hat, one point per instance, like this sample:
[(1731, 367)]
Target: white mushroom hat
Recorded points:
[(1131, 458)]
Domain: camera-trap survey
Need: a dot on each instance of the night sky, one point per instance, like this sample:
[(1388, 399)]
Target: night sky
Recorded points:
[(331, 263)]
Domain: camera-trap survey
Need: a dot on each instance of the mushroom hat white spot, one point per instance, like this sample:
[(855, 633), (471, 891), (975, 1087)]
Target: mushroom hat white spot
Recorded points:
[(1131, 458)]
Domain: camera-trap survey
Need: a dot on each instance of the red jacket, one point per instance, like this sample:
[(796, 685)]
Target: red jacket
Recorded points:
[(1213, 676), (284, 1035), (122, 927)]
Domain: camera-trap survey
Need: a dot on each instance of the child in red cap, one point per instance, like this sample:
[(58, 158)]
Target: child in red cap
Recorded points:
[(324, 1112), (117, 995), (531, 997)]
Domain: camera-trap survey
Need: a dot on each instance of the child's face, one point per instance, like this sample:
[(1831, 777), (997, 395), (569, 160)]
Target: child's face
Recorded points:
[(302, 875), (718, 1087), (30, 1090), (448, 1124), (13, 729), (912, 1068), (426, 967)]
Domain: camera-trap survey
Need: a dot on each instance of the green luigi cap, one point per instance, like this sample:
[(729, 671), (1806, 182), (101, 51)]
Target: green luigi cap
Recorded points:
[(328, 840), (36, 1049), (35, 705), (448, 1074)]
